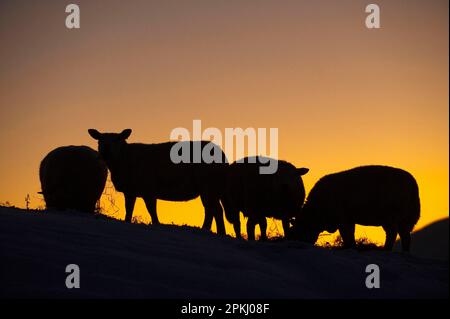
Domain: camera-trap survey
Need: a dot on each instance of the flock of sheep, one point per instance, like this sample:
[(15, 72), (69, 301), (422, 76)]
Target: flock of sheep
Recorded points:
[(75, 176)]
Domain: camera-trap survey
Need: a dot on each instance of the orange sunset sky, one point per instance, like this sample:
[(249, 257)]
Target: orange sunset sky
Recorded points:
[(341, 95)]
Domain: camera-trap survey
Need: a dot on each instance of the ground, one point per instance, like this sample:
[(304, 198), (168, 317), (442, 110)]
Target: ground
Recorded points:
[(431, 241), (119, 260)]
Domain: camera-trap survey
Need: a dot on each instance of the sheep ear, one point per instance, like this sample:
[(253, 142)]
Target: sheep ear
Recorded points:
[(125, 133), (302, 171), (94, 134)]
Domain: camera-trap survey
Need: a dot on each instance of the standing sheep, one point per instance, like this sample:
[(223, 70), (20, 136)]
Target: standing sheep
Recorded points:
[(368, 195), (72, 177), (148, 171), (257, 196)]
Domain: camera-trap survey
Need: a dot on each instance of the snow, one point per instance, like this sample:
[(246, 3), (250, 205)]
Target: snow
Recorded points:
[(119, 260), (430, 241)]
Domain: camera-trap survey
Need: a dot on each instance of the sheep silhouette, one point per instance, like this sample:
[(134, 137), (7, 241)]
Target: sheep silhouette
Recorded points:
[(72, 177), (257, 196), (367, 195), (147, 171)]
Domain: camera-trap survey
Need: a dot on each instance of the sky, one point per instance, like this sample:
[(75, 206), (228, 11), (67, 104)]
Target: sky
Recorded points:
[(341, 95)]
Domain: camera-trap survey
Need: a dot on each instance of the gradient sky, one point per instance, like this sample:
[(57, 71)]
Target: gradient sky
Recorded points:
[(340, 94)]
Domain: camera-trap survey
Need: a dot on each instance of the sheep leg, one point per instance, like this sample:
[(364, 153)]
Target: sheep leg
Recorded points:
[(150, 203), (207, 223), (347, 232), (233, 216), (130, 200), (218, 216), (391, 236), (237, 229), (213, 209), (405, 236), (251, 223), (286, 226), (263, 228)]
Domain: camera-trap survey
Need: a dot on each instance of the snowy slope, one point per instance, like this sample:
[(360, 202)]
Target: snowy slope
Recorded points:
[(138, 261), (430, 241)]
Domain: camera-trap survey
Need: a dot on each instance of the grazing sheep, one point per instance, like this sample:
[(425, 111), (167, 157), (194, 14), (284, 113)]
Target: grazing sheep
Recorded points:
[(72, 177), (368, 195), (257, 196), (148, 171)]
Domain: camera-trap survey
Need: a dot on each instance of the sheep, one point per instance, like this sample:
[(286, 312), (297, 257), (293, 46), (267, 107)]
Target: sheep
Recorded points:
[(149, 171), (367, 195), (257, 196), (72, 177)]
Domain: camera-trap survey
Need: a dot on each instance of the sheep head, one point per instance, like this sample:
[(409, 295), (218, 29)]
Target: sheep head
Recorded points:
[(110, 144)]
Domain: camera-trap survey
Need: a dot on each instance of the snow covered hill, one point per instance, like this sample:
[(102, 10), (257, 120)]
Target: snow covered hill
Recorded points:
[(138, 261), (430, 241)]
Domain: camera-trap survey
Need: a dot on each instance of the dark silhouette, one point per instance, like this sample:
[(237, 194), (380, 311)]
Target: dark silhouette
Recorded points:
[(257, 196), (147, 171), (368, 195), (72, 177)]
